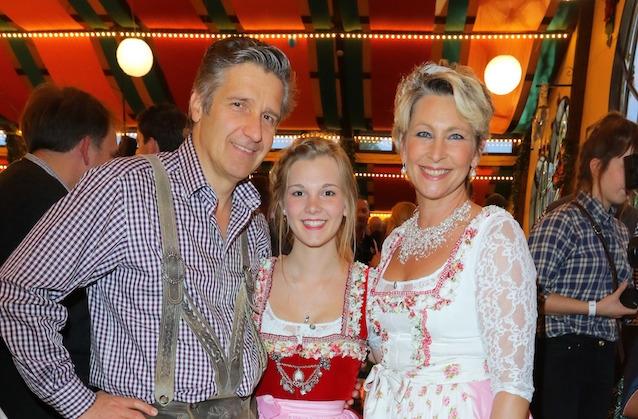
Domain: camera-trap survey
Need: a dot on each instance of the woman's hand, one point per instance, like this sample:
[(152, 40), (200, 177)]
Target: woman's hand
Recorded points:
[(610, 306)]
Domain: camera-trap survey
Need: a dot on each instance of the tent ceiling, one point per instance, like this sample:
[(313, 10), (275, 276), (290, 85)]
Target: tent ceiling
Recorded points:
[(344, 85)]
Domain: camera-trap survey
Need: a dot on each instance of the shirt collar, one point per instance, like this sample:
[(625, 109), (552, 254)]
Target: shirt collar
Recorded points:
[(36, 160), (595, 207), (245, 192)]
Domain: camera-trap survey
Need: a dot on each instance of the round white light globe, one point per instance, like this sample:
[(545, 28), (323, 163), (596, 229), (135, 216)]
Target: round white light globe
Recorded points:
[(134, 57), (503, 74)]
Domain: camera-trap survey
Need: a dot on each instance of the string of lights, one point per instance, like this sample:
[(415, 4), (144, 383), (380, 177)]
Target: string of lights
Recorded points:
[(400, 176), (292, 35)]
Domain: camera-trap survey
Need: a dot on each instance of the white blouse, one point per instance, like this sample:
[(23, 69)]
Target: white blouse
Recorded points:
[(472, 319)]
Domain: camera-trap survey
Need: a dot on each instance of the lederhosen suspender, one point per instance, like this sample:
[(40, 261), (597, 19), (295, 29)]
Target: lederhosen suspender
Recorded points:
[(177, 304)]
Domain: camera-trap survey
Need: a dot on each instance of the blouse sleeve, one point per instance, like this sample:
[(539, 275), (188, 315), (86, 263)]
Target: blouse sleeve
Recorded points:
[(506, 301)]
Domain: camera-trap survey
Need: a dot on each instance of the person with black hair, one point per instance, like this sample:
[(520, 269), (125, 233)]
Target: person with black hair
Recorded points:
[(579, 250), (160, 128)]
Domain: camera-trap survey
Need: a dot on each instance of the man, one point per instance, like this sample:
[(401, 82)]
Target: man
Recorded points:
[(67, 132), (579, 250), (367, 250), (107, 234), (160, 128)]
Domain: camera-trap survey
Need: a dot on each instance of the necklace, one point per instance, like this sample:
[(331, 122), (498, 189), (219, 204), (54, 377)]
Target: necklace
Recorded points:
[(298, 380), (306, 319), (422, 242)]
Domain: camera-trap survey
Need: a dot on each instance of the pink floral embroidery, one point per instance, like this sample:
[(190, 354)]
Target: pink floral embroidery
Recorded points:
[(454, 413), (348, 343), (451, 371), (446, 401), (416, 303)]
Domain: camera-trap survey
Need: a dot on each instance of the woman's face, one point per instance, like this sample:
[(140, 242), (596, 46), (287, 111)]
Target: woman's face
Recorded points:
[(314, 201), (612, 182), (439, 148)]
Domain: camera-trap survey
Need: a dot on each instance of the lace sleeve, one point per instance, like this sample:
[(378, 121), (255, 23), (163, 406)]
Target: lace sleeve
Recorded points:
[(506, 301)]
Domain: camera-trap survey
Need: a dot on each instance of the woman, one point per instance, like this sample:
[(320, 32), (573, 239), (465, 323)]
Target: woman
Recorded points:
[(581, 276), (310, 303), (452, 313)]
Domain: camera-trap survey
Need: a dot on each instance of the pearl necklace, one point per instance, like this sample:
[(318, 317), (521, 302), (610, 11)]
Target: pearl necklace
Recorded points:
[(422, 242)]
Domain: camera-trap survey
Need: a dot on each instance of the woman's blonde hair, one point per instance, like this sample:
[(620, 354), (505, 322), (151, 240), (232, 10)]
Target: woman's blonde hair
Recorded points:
[(310, 148), (473, 101)]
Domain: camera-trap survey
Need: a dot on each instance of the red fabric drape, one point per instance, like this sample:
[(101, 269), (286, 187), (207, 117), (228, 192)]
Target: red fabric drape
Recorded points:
[(392, 59)]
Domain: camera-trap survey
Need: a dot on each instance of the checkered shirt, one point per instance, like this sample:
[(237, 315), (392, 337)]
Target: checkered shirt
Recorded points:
[(570, 261), (105, 235)]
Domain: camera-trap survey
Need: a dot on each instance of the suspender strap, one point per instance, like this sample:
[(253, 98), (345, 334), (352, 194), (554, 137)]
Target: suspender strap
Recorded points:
[(599, 233), (172, 287), (177, 303)]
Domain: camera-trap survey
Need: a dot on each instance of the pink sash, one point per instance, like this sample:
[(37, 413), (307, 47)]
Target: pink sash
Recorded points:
[(272, 408)]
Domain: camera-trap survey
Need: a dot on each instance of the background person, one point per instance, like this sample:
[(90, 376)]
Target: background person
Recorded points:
[(310, 303), (452, 313), (161, 128), (400, 213), (367, 249), (67, 132), (576, 283)]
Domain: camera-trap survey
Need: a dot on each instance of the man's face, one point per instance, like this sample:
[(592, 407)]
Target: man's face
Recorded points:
[(232, 139), (105, 152), (363, 212)]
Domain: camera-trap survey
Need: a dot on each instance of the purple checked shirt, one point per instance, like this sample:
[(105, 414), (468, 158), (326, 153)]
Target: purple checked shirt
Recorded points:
[(105, 235)]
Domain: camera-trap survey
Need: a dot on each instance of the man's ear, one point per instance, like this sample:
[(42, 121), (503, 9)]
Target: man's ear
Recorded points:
[(152, 146), (84, 145), (195, 107)]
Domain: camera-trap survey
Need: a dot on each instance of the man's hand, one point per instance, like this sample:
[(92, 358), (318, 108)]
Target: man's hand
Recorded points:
[(610, 306), (109, 406)]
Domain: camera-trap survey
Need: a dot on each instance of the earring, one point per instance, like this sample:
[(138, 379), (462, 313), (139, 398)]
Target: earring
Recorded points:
[(472, 173), (404, 171)]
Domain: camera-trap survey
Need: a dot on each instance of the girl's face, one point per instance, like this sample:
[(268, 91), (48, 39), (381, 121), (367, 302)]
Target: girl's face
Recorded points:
[(314, 202)]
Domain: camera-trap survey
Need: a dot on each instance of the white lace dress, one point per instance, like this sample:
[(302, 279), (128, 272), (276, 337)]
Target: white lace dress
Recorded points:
[(448, 342)]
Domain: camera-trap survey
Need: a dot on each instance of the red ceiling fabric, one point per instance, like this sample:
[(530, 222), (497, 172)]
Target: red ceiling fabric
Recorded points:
[(257, 15), (179, 60), (72, 62), (401, 15), (392, 59), (504, 16), (167, 14), (303, 116), (14, 89), (23, 14)]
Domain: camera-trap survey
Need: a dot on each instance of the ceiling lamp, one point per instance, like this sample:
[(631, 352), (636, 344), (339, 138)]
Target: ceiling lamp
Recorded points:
[(134, 57), (503, 74)]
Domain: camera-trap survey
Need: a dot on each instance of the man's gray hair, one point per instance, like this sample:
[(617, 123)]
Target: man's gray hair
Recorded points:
[(239, 50)]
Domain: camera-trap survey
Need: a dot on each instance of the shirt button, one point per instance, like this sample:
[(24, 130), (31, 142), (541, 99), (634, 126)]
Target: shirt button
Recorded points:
[(601, 343)]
